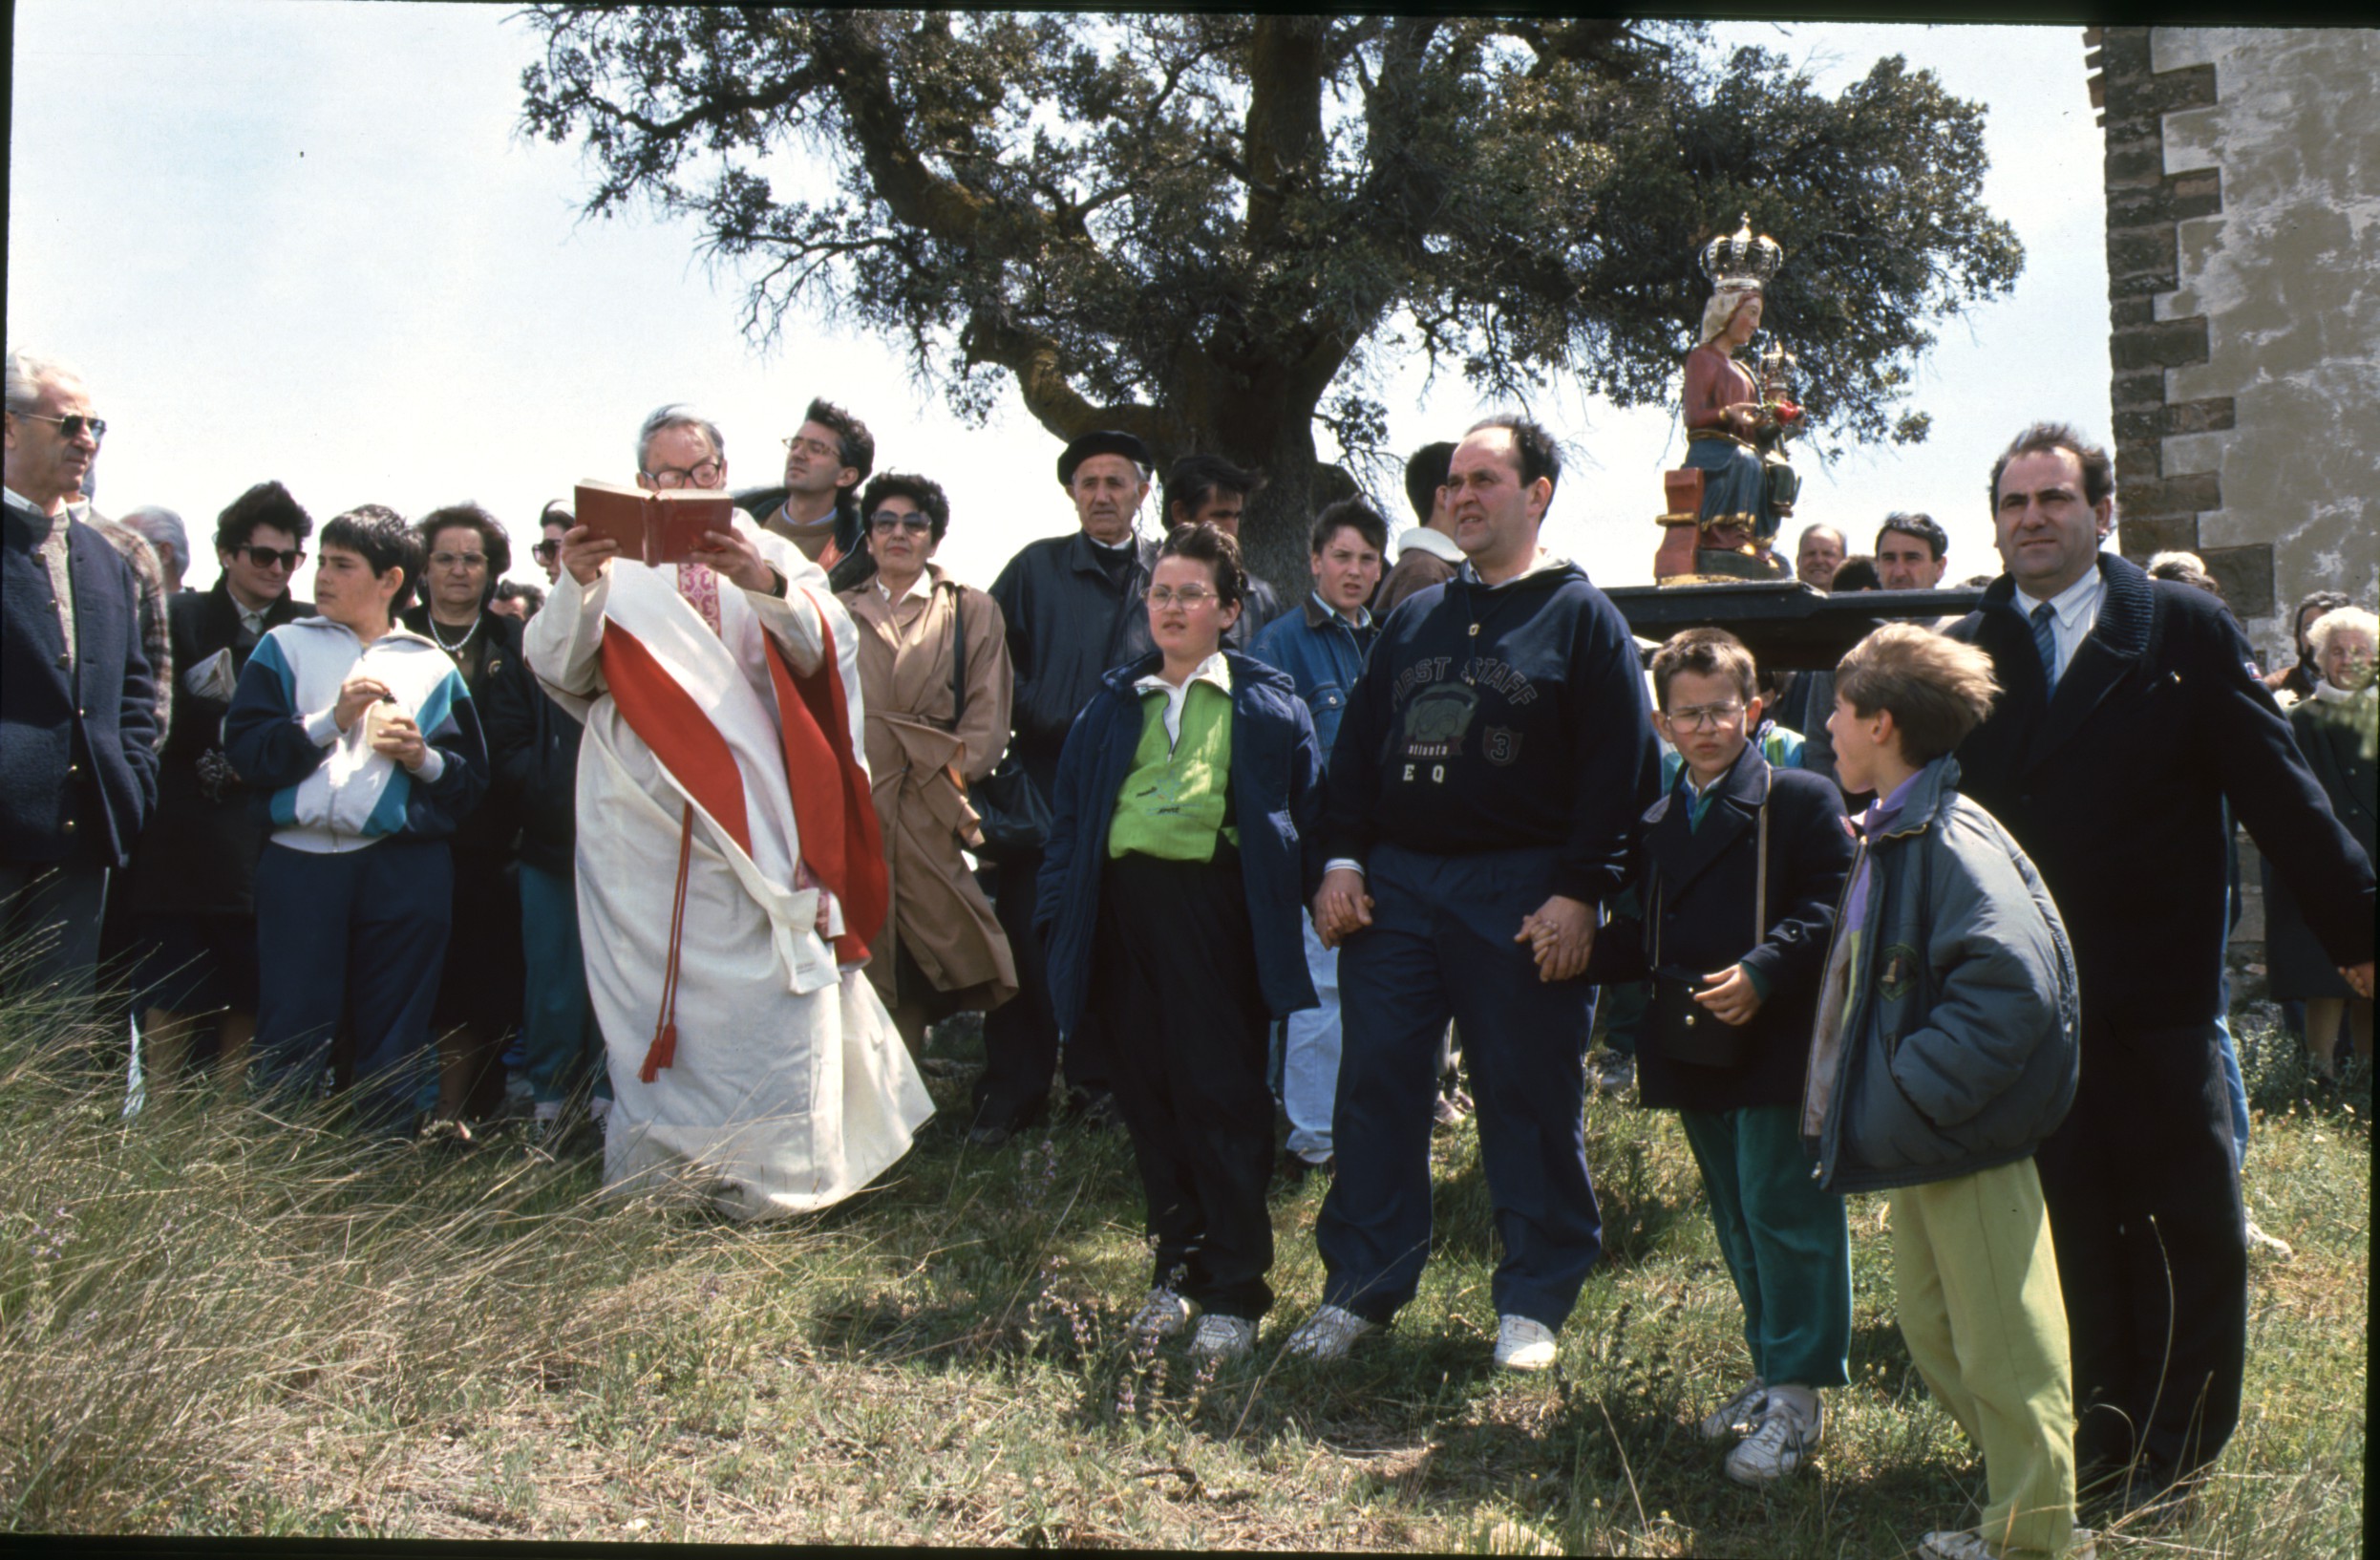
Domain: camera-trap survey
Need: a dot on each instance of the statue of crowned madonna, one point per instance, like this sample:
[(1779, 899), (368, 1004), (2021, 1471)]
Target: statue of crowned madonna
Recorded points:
[(1737, 487)]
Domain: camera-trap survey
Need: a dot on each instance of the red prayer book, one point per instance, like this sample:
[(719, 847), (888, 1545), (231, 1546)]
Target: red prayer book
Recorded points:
[(653, 527)]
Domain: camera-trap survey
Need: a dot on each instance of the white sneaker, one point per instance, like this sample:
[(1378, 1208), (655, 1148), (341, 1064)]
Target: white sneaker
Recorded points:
[(1736, 1416), (1523, 1345), (1777, 1443), (2261, 1243), (1971, 1546), (1223, 1338), (1162, 1315), (1329, 1333)]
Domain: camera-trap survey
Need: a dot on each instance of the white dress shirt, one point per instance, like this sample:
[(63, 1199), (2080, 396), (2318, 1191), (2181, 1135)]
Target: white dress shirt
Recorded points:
[(2073, 612)]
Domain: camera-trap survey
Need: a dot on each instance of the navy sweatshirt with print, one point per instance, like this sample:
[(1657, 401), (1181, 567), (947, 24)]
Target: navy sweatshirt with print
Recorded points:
[(1496, 717)]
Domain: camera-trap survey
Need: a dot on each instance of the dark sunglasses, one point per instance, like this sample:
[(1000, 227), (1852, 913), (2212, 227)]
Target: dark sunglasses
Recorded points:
[(73, 424), (885, 519), (266, 557), (546, 550)]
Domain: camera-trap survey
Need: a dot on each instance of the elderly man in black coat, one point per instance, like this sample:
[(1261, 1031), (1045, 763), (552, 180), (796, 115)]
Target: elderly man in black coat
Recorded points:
[(1073, 607), (77, 711), (2128, 716)]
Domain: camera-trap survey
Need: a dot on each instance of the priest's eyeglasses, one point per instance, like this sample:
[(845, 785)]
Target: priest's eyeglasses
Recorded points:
[(1705, 716), (705, 475)]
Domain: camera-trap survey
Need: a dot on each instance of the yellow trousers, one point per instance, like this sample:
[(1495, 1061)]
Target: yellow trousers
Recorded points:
[(1977, 1284)]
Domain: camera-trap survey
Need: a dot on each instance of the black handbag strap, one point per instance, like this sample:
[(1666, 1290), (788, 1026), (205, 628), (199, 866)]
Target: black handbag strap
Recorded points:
[(958, 656)]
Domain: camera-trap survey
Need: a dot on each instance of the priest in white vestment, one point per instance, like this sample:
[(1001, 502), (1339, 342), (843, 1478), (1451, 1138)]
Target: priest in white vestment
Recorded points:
[(729, 871)]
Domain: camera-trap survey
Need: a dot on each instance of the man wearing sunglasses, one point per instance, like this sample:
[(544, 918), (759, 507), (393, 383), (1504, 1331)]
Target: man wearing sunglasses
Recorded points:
[(190, 892), (78, 699), (553, 524)]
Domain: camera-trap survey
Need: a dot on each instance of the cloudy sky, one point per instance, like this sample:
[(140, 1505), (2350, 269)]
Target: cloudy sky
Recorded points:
[(301, 239)]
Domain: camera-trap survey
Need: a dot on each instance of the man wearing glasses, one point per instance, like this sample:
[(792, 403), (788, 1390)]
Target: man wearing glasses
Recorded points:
[(1074, 609), (78, 700), (1487, 778), (192, 883), (818, 507), (732, 874), (553, 524)]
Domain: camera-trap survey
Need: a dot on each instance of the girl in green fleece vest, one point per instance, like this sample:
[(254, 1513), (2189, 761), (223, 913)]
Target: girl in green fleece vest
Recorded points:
[(1182, 849)]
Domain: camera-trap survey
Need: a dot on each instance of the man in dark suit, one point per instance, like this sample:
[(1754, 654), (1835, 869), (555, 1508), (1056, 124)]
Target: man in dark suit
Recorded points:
[(78, 717), (190, 891), (2128, 716)]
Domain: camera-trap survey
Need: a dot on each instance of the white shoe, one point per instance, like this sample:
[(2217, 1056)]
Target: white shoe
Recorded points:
[(2261, 1243), (1777, 1443), (1223, 1338), (1736, 1416), (1162, 1315), (1329, 1333), (1523, 1345), (1971, 1546)]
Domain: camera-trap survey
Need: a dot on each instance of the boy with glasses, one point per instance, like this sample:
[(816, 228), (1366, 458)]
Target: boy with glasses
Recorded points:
[(1738, 866)]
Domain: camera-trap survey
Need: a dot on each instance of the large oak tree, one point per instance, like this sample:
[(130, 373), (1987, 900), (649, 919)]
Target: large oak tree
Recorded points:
[(1216, 230)]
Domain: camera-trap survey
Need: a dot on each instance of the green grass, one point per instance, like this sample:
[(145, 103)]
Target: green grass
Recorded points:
[(213, 1322)]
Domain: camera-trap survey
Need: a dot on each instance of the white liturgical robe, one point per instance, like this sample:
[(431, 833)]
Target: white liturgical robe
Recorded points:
[(751, 1061)]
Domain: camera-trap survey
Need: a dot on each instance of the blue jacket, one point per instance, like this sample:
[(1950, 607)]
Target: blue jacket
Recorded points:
[(1276, 797), (1955, 1049), (78, 751), (321, 789), (1324, 654)]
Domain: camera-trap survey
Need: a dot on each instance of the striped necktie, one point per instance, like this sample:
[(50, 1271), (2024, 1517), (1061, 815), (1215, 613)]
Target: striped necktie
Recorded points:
[(2046, 640)]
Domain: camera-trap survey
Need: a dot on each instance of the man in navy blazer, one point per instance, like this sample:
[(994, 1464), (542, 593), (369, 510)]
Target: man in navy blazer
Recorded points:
[(2128, 716), (77, 711)]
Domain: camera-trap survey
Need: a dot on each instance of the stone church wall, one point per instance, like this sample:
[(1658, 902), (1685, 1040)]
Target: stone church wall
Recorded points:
[(2242, 180)]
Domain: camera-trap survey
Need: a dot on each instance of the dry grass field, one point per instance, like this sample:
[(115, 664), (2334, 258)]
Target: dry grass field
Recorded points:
[(213, 1322)]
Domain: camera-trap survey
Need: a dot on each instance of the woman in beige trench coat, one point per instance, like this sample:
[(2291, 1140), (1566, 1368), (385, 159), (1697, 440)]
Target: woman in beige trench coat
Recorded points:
[(942, 951)]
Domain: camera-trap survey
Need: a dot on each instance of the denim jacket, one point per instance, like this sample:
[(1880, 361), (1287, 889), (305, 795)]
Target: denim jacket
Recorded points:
[(1324, 654), (1955, 1050)]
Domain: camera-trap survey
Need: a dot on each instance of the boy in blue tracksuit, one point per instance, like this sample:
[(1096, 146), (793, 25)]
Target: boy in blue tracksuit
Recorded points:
[(1943, 1055), (1323, 648), (361, 738)]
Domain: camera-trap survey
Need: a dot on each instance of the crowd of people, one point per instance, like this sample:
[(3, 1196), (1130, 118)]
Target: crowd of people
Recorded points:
[(691, 855)]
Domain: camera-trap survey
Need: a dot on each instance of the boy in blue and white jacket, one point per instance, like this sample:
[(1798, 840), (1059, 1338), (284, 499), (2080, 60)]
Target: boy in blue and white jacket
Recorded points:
[(362, 741)]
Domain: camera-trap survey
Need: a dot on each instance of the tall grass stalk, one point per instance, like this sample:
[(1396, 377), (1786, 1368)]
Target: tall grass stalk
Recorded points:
[(217, 1321)]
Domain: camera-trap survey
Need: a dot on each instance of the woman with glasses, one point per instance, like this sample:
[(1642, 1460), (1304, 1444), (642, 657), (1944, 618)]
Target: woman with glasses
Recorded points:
[(934, 686), (190, 891), (479, 989), (1182, 853)]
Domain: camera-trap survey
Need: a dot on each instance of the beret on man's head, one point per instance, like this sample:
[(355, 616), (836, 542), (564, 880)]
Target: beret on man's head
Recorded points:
[(1103, 441)]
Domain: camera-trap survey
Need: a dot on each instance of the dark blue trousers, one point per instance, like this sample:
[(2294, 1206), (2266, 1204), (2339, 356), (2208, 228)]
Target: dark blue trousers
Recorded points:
[(359, 935), (1440, 945)]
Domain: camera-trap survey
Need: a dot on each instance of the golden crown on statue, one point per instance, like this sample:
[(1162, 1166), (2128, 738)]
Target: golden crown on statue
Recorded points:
[(1741, 260)]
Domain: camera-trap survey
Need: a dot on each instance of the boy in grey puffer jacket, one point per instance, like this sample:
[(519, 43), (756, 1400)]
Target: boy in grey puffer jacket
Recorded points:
[(1943, 1055)]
